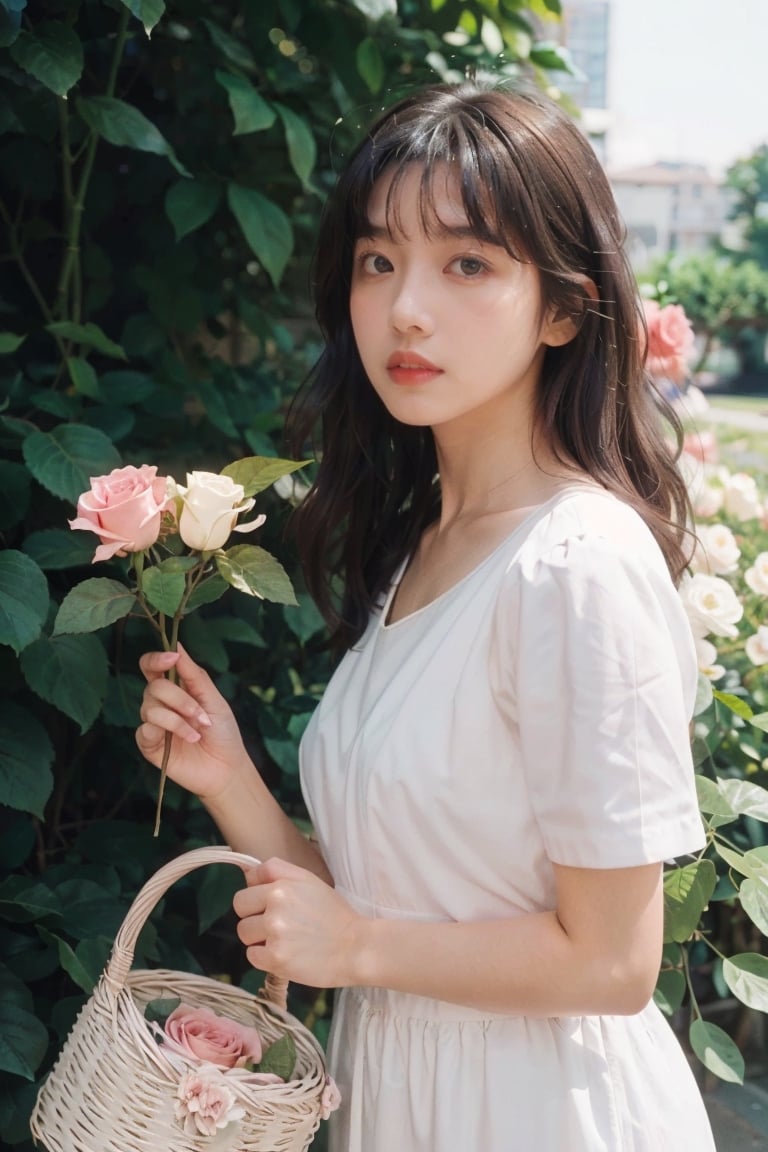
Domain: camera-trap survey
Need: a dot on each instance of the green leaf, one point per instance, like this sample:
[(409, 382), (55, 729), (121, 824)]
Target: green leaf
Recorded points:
[(753, 896), (302, 149), (123, 700), (745, 798), (191, 203), (234, 50), (747, 977), (256, 473), (89, 335), (215, 893), (687, 891), (23, 1041), (93, 604), (304, 621), (158, 1011), (163, 589), (83, 377), (10, 343), (280, 1057), (717, 1051), (265, 226), (85, 963), (26, 755), (370, 64), (148, 11), (255, 571), (69, 672), (734, 703), (52, 53), (125, 126), (207, 592), (251, 111), (64, 459), (760, 721), (670, 990), (55, 549), (15, 483), (23, 600), (741, 862), (711, 799)]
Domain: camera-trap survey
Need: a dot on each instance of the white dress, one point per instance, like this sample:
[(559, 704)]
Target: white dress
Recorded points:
[(536, 712)]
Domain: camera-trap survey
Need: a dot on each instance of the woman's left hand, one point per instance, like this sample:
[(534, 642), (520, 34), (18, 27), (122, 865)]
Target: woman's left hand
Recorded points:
[(296, 926)]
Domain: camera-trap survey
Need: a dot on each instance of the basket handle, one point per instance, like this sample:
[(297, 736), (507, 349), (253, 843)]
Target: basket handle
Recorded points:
[(275, 990)]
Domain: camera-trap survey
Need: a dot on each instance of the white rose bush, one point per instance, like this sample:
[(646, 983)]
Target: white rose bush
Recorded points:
[(173, 538), (717, 905)]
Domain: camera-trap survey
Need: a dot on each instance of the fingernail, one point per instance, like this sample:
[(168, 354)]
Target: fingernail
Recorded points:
[(193, 737), (204, 719)]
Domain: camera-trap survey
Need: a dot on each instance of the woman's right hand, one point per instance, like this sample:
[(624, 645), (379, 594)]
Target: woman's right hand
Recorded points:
[(207, 749)]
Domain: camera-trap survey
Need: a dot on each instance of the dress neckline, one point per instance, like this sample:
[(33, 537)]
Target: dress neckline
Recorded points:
[(536, 513)]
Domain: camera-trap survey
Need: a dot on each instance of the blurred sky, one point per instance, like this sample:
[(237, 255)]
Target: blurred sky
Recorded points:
[(688, 80)]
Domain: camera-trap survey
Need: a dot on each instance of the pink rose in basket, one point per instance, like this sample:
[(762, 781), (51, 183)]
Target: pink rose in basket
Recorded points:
[(330, 1099), (670, 341), (201, 1034), (124, 509), (204, 1103)]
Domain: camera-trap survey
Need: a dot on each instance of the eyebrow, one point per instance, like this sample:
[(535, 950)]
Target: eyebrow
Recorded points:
[(370, 231)]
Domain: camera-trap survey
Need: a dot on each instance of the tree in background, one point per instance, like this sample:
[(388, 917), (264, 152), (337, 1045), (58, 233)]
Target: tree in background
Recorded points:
[(725, 291)]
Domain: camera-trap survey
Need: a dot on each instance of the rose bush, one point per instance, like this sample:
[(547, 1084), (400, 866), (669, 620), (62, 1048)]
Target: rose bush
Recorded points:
[(717, 904)]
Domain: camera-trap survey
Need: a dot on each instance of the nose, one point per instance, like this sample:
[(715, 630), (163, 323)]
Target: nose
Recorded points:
[(411, 309)]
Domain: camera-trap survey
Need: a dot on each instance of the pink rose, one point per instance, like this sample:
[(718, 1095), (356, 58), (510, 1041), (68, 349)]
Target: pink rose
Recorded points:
[(330, 1099), (201, 1034), (702, 445), (124, 509), (670, 340), (204, 1103)]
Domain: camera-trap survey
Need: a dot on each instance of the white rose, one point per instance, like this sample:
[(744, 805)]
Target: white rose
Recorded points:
[(757, 575), (707, 501), (741, 498), (211, 504), (756, 646), (716, 550), (711, 604), (706, 655)]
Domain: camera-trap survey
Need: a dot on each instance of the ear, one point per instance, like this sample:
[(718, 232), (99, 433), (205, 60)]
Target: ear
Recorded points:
[(560, 327)]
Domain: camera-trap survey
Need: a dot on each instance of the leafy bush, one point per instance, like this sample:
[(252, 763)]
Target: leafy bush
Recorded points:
[(159, 199)]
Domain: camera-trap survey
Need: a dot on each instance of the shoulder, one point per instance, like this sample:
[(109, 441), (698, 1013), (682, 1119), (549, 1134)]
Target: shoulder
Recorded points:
[(584, 531)]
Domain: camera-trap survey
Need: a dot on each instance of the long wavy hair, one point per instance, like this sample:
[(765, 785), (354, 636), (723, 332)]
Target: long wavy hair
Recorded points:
[(531, 182)]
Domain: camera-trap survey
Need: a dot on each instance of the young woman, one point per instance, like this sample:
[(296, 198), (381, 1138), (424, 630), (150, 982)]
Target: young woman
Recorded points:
[(501, 762)]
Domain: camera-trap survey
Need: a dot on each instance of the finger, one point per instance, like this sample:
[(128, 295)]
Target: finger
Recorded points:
[(155, 665), (268, 871), (252, 930), (250, 901), (157, 719), (177, 699)]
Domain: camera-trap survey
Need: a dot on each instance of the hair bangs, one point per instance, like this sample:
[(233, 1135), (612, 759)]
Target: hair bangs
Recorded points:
[(493, 197)]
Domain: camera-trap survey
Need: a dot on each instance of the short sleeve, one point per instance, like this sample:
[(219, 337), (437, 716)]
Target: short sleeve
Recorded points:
[(596, 670)]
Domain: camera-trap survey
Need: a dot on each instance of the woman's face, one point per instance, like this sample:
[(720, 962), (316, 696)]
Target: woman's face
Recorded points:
[(447, 326)]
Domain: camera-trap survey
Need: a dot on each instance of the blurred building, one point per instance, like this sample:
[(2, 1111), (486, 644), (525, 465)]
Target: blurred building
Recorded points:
[(585, 31), (670, 207)]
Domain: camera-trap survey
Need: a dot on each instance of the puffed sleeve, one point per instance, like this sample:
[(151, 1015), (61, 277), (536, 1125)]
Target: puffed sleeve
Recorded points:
[(596, 671)]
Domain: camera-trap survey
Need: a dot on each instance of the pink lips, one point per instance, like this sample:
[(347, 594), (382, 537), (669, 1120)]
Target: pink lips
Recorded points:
[(410, 368)]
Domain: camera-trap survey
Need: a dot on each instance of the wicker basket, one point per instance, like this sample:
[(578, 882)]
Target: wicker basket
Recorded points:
[(113, 1089)]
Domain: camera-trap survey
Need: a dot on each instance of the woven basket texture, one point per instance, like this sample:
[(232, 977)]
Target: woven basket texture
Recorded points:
[(113, 1089)]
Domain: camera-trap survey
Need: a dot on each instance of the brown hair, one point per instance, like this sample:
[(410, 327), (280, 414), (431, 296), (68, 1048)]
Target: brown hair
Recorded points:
[(531, 182)]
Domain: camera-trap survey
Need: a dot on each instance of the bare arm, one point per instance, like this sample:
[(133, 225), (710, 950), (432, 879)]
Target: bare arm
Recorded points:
[(598, 953), (208, 758)]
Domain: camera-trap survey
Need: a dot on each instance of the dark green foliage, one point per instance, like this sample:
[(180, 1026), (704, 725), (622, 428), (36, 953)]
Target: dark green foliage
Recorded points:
[(159, 199)]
